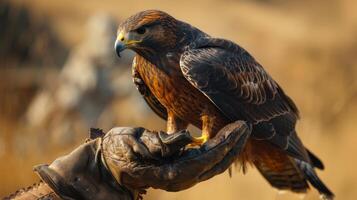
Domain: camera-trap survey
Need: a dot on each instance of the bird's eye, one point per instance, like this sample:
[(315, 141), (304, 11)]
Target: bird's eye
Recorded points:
[(141, 30)]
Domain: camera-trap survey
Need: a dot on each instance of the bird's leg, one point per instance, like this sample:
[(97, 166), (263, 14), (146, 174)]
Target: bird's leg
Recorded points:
[(174, 123), (207, 129)]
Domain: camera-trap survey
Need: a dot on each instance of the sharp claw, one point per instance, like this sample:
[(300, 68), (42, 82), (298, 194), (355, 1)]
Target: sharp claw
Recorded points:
[(199, 141)]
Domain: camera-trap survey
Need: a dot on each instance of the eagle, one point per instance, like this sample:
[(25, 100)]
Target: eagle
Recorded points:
[(188, 77)]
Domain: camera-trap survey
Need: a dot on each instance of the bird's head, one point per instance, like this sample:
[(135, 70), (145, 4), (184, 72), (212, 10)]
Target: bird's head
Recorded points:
[(149, 31)]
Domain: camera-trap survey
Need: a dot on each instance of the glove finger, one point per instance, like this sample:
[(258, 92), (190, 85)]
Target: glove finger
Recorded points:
[(125, 144), (214, 150), (184, 172), (227, 160), (238, 126), (173, 143)]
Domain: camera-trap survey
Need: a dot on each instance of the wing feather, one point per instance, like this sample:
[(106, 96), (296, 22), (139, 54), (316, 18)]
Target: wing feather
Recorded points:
[(243, 90), (144, 90)]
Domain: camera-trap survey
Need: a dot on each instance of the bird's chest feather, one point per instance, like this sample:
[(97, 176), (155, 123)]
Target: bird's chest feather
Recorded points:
[(173, 91)]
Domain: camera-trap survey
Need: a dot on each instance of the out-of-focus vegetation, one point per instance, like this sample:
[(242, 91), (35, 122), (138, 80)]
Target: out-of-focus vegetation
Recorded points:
[(59, 76)]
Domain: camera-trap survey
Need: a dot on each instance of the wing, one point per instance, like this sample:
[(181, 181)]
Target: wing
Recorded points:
[(144, 90), (242, 90)]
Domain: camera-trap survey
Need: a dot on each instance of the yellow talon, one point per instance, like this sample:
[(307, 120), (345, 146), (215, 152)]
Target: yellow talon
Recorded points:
[(198, 141)]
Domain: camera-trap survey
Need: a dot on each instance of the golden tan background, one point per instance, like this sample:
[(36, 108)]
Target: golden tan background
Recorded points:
[(309, 47)]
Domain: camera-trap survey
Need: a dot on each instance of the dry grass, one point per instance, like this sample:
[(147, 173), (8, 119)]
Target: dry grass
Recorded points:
[(309, 47)]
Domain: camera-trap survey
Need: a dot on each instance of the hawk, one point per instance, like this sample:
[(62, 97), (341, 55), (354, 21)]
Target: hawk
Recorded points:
[(188, 77)]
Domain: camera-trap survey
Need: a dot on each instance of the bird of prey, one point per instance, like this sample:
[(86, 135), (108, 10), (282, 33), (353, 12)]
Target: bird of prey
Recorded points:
[(188, 77)]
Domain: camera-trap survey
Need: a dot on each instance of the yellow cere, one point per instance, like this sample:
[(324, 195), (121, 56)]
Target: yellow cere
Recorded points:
[(120, 36)]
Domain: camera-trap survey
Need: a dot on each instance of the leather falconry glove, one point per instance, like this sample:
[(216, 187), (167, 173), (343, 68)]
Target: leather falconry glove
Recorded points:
[(124, 162)]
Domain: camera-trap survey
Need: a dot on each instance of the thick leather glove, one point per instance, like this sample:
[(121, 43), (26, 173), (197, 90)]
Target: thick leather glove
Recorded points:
[(122, 163), (139, 159)]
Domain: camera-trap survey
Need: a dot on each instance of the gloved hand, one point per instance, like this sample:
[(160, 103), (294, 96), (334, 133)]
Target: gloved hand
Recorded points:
[(125, 161)]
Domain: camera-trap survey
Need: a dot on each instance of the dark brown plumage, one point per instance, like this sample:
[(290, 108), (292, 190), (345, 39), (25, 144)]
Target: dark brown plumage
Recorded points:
[(188, 77)]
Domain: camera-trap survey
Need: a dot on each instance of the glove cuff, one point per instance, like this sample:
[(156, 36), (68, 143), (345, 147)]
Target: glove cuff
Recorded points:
[(82, 175)]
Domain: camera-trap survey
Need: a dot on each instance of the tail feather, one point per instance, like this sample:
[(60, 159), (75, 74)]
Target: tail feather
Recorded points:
[(285, 181), (315, 181), (278, 168), (287, 173), (286, 177), (316, 162)]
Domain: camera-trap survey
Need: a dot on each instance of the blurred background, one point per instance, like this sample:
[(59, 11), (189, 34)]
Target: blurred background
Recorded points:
[(59, 76)]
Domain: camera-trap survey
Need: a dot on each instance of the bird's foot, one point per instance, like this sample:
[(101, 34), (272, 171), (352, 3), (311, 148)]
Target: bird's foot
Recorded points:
[(199, 141)]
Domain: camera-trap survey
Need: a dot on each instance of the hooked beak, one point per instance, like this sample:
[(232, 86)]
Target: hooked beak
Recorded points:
[(120, 44), (124, 41)]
